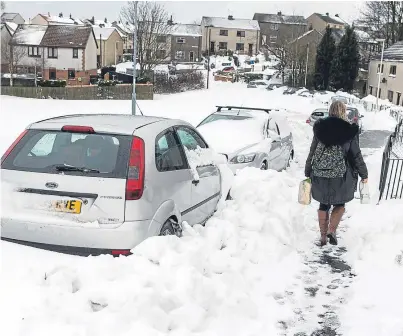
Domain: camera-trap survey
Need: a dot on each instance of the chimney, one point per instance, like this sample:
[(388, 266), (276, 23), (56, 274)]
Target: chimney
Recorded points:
[(327, 14), (106, 20), (170, 21), (92, 20), (60, 15), (279, 14), (48, 14), (70, 17), (230, 17)]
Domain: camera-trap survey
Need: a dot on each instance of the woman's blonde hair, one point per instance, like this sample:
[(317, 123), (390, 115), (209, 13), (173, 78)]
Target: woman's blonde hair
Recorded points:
[(338, 110)]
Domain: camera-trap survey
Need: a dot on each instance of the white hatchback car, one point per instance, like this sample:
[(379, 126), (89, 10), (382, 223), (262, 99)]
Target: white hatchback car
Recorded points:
[(92, 184)]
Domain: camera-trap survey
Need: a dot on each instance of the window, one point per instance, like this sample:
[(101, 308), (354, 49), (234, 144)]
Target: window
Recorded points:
[(180, 55), (399, 95), (161, 54), (390, 96), (274, 26), (72, 73), (240, 46), (222, 45), (34, 51), (190, 139), (169, 155), (273, 38), (42, 150), (240, 33), (180, 40), (223, 32), (75, 52), (161, 39), (379, 66), (392, 70), (52, 52), (370, 90)]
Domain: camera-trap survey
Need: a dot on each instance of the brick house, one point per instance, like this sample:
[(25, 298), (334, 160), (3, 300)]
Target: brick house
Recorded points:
[(66, 52), (319, 22), (186, 40), (279, 29), (222, 34)]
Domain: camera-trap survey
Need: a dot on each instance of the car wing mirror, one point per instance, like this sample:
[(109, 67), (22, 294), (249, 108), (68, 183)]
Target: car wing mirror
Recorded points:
[(361, 116)]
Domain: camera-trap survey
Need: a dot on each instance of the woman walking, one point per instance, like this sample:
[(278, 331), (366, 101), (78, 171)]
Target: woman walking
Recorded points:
[(333, 164)]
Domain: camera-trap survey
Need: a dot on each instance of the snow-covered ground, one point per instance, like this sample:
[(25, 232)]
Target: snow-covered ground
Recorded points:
[(252, 270)]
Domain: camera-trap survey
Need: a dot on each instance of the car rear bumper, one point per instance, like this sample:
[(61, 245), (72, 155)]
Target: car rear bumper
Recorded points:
[(124, 237)]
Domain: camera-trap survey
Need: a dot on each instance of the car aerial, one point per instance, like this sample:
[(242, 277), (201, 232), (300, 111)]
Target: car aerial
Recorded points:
[(103, 183), (316, 115), (260, 83), (249, 137)]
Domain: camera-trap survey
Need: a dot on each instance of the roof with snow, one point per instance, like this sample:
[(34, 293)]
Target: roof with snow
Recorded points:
[(393, 53), (8, 16), (104, 33), (186, 29), (329, 19), (102, 24), (28, 34), (280, 18), (220, 22), (12, 27), (66, 36), (54, 19)]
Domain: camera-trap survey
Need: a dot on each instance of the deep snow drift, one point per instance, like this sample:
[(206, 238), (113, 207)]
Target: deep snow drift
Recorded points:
[(245, 273)]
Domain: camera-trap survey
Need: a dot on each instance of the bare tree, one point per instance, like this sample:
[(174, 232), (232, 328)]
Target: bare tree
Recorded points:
[(3, 5), (153, 33), (12, 55), (384, 20)]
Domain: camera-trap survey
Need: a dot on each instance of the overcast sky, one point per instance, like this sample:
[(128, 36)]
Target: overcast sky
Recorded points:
[(188, 11)]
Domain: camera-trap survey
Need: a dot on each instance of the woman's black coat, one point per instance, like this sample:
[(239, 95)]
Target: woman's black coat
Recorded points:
[(336, 131)]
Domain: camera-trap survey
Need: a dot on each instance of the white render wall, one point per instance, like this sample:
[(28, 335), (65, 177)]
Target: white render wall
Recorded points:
[(65, 60), (91, 54)]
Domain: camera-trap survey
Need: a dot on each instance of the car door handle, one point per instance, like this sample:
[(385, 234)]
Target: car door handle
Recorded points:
[(195, 182)]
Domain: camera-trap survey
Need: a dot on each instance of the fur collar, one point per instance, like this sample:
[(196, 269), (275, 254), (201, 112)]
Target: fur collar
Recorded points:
[(334, 131)]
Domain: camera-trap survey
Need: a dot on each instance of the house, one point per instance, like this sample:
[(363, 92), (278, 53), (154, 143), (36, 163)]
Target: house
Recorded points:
[(186, 42), (391, 74), (7, 32), (12, 17), (43, 19), (279, 29), (126, 31), (319, 22), (66, 52), (110, 42), (223, 34)]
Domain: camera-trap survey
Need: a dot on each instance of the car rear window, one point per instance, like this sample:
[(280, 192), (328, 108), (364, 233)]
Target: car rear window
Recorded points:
[(41, 151), (353, 113)]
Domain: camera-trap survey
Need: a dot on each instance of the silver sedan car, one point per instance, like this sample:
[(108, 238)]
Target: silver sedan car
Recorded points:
[(249, 137), (97, 184)]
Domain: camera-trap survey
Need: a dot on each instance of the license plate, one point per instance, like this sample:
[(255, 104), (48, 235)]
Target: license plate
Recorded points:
[(70, 206)]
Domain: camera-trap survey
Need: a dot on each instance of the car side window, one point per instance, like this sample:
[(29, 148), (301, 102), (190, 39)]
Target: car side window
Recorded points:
[(273, 126), (189, 138), (168, 154)]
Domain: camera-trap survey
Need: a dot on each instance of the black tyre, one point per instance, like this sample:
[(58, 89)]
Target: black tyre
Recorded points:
[(264, 165), (171, 228)]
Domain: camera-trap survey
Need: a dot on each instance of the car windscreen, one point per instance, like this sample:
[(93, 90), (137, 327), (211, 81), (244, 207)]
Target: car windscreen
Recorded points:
[(47, 151), (215, 117), (352, 113), (320, 114)]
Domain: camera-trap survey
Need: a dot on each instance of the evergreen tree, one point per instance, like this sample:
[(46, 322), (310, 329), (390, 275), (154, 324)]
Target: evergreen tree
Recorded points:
[(324, 57), (346, 62)]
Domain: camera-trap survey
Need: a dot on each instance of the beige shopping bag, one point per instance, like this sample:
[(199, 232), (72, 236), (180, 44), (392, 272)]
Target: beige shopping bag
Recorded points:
[(304, 193)]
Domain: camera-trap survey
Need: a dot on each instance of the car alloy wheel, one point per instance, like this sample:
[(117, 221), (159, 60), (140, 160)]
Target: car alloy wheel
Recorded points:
[(264, 165)]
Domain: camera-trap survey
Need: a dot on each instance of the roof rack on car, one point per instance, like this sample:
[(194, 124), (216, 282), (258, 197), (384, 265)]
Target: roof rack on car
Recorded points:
[(220, 107)]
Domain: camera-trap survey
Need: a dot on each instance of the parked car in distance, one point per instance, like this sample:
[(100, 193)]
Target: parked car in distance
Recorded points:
[(306, 93), (249, 137), (103, 183), (354, 116), (290, 91), (261, 83), (339, 98), (271, 87), (317, 114)]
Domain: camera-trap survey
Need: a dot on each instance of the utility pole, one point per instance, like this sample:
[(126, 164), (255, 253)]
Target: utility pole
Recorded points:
[(208, 64), (134, 58), (100, 51), (379, 73), (306, 65)]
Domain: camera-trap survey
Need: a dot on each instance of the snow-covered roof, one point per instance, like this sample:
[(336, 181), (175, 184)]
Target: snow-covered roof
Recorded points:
[(54, 19), (280, 18), (8, 16), (220, 22), (11, 26), (329, 19), (104, 32), (102, 24), (393, 53), (29, 34), (364, 36), (186, 29)]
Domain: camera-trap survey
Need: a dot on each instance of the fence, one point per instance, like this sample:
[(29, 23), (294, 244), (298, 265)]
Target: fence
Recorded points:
[(88, 92), (391, 179)]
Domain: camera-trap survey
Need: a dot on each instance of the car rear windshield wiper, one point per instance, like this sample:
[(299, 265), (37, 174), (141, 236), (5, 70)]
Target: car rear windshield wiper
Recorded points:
[(73, 168)]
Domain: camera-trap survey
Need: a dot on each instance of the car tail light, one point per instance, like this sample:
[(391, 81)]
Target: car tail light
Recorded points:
[(16, 141), (355, 119), (135, 172), (308, 121), (78, 129), (120, 252)]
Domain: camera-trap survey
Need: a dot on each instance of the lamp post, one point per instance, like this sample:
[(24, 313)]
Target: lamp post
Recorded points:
[(306, 65), (134, 58), (208, 49), (379, 73)]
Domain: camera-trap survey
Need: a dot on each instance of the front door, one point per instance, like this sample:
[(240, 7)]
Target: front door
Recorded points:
[(250, 48), (206, 185), (52, 73), (212, 47), (191, 56)]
